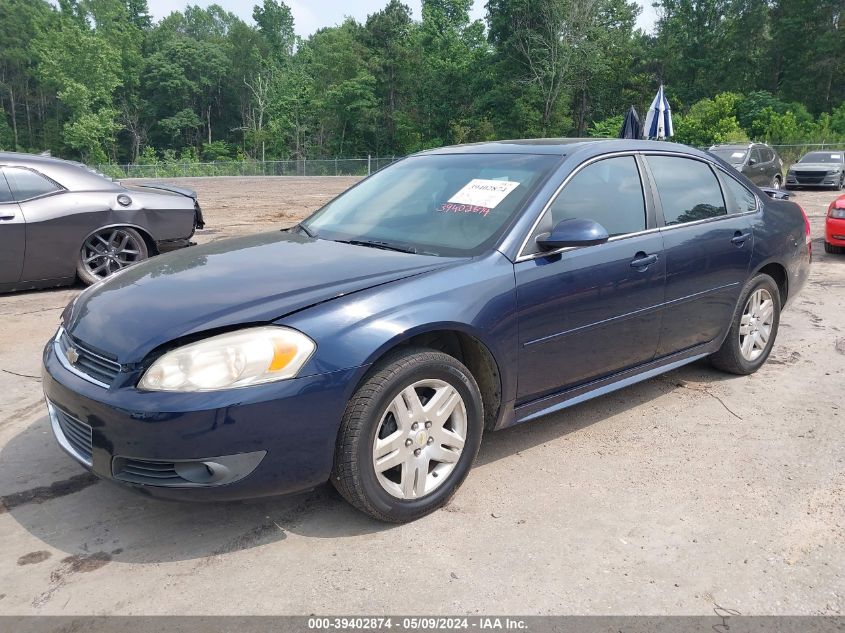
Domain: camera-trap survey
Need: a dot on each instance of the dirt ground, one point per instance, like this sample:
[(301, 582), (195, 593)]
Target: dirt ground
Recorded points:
[(688, 491)]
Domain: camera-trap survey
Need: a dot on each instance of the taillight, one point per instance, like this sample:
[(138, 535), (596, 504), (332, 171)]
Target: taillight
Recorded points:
[(809, 240)]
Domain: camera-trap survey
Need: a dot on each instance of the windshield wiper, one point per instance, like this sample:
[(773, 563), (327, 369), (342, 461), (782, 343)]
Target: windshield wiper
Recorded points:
[(388, 246)]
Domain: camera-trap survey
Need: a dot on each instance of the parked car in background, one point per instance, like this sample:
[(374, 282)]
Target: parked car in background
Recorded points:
[(818, 169), (461, 290), (758, 162), (834, 227), (60, 221)]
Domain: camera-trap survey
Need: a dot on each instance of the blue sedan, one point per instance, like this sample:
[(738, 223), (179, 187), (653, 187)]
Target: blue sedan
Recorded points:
[(458, 291)]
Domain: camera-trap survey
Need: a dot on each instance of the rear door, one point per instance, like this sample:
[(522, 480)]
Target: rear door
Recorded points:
[(757, 171), (588, 312), (12, 235), (708, 250)]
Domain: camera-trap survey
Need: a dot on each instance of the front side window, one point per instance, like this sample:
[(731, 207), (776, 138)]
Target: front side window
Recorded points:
[(756, 155), (743, 200), (688, 189), (609, 192), (441, 204), (27, 184)]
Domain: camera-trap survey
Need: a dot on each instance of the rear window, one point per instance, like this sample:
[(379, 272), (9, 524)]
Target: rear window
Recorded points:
[(688, 189), (27, 184)]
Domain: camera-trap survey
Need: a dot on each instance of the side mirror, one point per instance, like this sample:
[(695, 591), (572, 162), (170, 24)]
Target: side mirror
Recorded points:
[(573, 232), (752, 162)]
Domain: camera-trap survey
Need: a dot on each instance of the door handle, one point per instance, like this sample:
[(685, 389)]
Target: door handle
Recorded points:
[(643, 261), (739, 238), (4, 216)]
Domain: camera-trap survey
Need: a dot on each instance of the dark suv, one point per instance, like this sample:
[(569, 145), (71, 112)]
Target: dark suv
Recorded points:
[(757, 161)]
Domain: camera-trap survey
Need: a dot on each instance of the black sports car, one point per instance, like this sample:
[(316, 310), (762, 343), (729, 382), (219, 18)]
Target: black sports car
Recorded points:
[(60, 221)]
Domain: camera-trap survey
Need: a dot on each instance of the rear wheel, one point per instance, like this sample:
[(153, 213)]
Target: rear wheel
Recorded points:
[(109, 250), (409, 436), (753, 329)]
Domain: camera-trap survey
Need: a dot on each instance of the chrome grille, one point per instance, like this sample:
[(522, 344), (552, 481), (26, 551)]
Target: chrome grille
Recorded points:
[(73, 435), (85, 362)]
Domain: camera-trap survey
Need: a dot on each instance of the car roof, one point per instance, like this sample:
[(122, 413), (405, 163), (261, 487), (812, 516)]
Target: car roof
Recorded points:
[(561, 147), (70, 175)]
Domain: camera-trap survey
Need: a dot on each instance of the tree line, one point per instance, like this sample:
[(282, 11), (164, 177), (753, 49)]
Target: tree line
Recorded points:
[(100, 81)]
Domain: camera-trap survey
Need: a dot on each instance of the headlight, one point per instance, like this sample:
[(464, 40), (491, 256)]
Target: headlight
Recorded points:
[(236, 359), (839, 214)]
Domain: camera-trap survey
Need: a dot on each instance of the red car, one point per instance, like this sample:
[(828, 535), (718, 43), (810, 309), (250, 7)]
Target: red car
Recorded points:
[(834, 227)]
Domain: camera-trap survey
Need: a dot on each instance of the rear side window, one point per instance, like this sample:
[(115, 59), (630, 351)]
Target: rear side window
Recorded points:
[(743, 200), (688, 189), (609, 192), (27, 184), (5, 192)]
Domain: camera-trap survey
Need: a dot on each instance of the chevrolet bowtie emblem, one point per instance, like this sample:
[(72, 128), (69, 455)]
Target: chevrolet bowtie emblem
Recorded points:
[(72, 356)]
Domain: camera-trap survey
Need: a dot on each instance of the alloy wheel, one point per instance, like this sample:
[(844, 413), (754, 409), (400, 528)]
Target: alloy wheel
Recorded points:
[(107, 251), (419, 439), (755, 326)]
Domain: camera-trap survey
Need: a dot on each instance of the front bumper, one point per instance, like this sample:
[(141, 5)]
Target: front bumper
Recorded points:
[(834, 231), (271, 439), (797, 179)]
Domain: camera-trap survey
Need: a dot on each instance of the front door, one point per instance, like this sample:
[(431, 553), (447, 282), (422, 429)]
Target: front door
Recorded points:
[(708, 250), (589, 312), (12, 235)]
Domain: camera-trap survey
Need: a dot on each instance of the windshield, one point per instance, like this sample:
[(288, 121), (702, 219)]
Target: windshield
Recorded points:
[(730, 154), (445, 204), (822, 157)]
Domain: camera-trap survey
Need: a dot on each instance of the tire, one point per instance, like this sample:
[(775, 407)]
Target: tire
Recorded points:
[(369, 412), (776, 182), (106, 251), (833, 250), (731, 357)]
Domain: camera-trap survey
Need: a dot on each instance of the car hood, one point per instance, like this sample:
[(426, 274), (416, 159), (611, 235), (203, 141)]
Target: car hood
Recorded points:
[(254, 279), (816, 167)]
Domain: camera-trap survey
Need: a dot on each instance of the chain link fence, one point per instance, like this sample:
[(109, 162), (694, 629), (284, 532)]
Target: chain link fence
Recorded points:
[(304, 167), (792, 153)]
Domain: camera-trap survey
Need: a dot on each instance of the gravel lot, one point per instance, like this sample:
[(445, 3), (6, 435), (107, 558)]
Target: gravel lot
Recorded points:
[(690, 490)]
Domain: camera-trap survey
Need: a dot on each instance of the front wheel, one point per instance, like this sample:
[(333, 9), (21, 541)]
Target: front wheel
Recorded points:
[(109, 250), (753, 329), (409, 436), (776, 182)]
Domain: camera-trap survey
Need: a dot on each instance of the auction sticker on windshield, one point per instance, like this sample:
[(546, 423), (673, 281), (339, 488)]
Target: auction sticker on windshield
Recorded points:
[(479, 196)]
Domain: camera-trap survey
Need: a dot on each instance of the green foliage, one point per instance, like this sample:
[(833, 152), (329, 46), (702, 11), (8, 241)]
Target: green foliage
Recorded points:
[(711, 121), (607, 128), (99, 80), (6, 136)]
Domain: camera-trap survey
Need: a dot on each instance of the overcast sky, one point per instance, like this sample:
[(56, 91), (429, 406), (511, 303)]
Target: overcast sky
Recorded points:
[(310, 15)]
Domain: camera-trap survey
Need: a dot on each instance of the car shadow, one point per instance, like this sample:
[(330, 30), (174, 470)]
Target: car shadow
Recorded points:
[(67, 508)]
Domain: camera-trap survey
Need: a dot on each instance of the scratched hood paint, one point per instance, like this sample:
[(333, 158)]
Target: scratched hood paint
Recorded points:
[(253, 279)]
